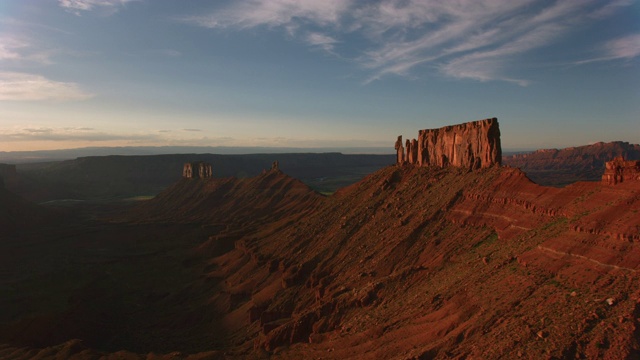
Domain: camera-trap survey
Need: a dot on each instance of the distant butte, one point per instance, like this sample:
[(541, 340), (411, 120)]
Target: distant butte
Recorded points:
[(472, 145), (619, 170), (197, 170)]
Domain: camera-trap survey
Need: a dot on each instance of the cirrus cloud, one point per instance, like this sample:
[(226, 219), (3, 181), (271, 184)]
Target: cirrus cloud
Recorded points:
[(17, 86), (109, 7), (21, 50), (466, 39), (273, 13), (624, 48), (70, 135)]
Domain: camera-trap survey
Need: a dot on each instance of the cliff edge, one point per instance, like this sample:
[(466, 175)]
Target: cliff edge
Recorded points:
[(472, 145)]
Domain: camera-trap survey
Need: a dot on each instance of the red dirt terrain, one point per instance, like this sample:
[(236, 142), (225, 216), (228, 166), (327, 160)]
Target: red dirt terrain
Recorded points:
[(409, 263)]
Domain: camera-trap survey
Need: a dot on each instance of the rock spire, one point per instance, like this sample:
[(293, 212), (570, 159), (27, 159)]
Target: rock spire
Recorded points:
[(197, 170)]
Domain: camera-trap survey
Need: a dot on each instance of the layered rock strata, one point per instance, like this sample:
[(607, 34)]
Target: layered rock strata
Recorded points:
[(619, 170), (197, 170), (472, 145)]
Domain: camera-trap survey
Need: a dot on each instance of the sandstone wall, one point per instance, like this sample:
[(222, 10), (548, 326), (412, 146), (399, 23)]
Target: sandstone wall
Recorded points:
[(471, 145), (619, 170)]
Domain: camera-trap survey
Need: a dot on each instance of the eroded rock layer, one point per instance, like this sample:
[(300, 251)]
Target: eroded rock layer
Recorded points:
[(472, 145), (619, 170)]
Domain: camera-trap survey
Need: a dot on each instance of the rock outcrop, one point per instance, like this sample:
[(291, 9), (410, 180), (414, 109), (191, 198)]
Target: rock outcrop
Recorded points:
[(619, 170), (400, 150), (472, 145), (197, 170)]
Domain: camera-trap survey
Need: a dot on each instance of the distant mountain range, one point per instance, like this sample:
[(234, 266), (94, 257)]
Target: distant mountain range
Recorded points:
[(560, 167), (121, 177), (17, 157), (136, 171)]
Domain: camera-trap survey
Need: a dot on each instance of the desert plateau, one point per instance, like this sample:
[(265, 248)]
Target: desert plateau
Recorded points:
[(446, 254), (319, 179)]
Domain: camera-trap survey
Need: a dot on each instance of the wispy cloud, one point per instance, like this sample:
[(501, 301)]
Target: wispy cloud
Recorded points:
[(107, 7), (192, 130), (16, 86), (68, 134), (21, 50), (10, 47), (82, 136), (273, 13), (466, 39), (322, 41), (624, 48)]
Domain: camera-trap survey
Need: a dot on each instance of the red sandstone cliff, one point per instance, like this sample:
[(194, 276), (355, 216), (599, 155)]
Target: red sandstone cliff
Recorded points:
[(472, 145), (619, 170)]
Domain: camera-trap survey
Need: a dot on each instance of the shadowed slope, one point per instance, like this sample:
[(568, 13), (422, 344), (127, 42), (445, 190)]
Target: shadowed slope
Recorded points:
[(267, 197), (17, 213), (411, 262)]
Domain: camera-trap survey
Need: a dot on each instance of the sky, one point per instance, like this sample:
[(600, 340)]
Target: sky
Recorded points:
[(311, 73)]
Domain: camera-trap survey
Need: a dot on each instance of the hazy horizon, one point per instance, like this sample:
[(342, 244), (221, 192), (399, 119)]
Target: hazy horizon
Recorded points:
[(17, 157), (310, 74)]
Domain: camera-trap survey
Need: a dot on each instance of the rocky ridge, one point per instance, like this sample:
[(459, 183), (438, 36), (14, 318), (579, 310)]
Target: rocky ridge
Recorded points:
[(560, 167), (432, 253)]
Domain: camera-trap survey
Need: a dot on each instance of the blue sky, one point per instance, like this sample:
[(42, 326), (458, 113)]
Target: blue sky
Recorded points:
[(331, 73)]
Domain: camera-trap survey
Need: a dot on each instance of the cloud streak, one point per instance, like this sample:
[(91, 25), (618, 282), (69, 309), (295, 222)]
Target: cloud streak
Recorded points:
[(20, 50), (74, 136), (107, 7), (466, 39), (16, 86), (273, 13), (624, 48), (322, 41), (69, 134)]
